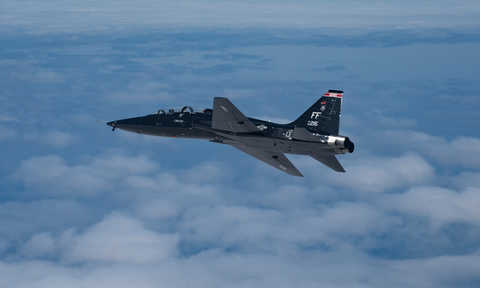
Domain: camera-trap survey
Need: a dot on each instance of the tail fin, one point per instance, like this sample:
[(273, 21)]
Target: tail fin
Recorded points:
[(324, 116)]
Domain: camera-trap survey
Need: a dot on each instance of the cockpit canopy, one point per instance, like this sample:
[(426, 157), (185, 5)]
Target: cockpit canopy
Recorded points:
[(185, 109)]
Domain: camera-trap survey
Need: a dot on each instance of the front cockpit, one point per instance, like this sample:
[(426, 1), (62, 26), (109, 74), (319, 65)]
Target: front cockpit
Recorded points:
[(171, 122)]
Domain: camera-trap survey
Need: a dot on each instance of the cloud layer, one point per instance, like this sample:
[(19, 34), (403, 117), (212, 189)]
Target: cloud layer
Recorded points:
[(204, 227), (105, 15)]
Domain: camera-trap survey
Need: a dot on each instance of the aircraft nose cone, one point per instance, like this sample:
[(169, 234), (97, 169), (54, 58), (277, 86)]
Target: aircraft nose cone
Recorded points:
[(113, 124)]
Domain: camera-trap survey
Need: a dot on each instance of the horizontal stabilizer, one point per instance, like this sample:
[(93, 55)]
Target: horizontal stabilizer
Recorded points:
[(330, 160), (227, 117)]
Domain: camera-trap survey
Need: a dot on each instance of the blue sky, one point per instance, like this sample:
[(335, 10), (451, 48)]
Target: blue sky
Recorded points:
[(82, 206)]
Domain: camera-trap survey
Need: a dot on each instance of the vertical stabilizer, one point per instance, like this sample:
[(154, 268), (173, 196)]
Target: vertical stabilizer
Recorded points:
[(324, 116)]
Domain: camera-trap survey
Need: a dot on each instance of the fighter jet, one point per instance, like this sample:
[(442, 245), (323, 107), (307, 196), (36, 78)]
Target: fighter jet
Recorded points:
[(314, 133)]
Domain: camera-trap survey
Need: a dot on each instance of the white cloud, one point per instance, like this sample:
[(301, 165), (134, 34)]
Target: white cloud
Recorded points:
[(352, 219), (254, 230), (121, 239), (438, 204), (56, 177), (230, 225), (216, 269), (376, 174), (458, 151), (208, 172), (157, 209)]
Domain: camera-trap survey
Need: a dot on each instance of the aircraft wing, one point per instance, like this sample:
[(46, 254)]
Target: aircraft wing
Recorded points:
[(275, 159), (228, 118), (330, 160)]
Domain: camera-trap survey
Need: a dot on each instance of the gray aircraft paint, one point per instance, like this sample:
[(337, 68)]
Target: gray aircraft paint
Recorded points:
[(314, 133)]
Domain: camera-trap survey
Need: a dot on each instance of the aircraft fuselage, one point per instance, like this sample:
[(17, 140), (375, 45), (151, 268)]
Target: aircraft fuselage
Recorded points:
[(197, 125)]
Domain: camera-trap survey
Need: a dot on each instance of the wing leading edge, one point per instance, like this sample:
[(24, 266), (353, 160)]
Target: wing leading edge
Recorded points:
[(227, 117), (274, 159)]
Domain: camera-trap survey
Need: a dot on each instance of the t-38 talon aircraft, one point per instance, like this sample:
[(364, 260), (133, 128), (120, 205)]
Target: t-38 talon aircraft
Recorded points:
[(314, 133)]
